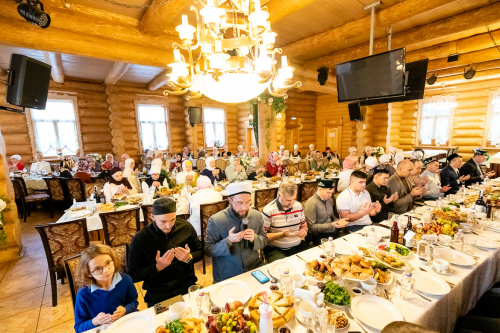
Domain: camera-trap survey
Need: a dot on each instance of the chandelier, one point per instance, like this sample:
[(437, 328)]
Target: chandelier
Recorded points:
[(236, 60)]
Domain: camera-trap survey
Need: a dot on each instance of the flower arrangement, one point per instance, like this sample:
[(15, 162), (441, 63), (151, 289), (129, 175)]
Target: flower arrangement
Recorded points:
[(3, 234), (97, 157), (377, 152), (218, 143), (245, 160)]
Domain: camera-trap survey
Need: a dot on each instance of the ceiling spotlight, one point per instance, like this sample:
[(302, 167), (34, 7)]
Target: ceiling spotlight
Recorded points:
[(432, 79), (34, 15), (469, 74)]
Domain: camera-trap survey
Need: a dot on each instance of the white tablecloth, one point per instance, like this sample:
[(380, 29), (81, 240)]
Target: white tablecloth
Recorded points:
[(495, 159), (35, 183), (427, 153), (440, 314), (94, 221)]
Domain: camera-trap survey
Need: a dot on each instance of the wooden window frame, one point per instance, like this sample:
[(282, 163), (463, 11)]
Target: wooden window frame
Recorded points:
[(156, 102), (218, 106), (431, 99), (489, 115)]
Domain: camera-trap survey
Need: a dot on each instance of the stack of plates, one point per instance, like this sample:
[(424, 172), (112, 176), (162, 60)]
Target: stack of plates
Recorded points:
[(375, 311)]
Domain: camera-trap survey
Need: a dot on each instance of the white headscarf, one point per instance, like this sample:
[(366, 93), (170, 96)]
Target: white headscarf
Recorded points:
[(155, 166), (399, 157), (17, 157), (386, 158), (371, 161), (127, 172), (181, 176), (207, 163)]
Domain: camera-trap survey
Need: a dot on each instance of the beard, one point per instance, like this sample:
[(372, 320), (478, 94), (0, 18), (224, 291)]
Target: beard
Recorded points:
[(238, 215)]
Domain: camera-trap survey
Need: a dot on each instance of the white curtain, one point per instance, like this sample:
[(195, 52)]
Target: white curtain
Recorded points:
[(153, 126), (494, 133), (435, 122), (55, 127), (215, 129)]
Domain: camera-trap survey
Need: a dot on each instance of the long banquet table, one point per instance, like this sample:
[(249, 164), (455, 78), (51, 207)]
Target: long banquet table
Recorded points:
[(440, 314)]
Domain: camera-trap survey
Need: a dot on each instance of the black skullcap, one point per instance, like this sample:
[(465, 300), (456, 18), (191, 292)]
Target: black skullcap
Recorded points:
[(325, 183), (380, 168), (452, 156), (430, 160), (164, 206), (479, 151)]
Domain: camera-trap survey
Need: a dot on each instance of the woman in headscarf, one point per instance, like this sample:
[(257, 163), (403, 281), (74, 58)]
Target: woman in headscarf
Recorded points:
[(107, 165), (155, 179), (82, 172), (235, 172), (165, 162), (186, 155), (368, 153), (212, 172), (93, 165), (130, 172), (40, 165), (318, 163), (178, 162), (15, 164), (215, 153), (225, 154), (205, 194), (255, 169), (274, 165), (117, 184), (65, 168), (253, 152), (241, 151), (352, 156), (187, 176), (296, 152)]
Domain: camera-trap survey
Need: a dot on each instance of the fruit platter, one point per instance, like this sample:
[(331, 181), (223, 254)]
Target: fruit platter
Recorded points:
[(232, 320)]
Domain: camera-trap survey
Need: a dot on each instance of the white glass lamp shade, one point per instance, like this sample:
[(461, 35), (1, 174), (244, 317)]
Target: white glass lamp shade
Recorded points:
[(185, 30), (218, 60), (231, 88), (211, 14), (269, 37), (259, 18)]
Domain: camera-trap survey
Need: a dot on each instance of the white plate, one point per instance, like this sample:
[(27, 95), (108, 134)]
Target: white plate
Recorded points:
[(455, 257), (79, 213), (231, 290), (379, 230), (375, 311), (484, 243), (293, 266), (430, 284), (143, 321), (344, 248), (494, 226), (431, 203)]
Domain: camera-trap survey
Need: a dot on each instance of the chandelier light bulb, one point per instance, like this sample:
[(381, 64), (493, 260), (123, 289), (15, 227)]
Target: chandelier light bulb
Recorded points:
[(284, 61), (211, 14), (218, 46), (186, 31), (244, 50), (206, 48), (211, 3), (177, 55), (263, 63)]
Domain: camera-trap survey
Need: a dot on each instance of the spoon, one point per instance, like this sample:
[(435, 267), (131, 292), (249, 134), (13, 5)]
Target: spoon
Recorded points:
[(273, 279)]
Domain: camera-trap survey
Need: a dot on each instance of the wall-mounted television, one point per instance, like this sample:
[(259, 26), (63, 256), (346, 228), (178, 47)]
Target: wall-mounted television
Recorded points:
[(377, 76)]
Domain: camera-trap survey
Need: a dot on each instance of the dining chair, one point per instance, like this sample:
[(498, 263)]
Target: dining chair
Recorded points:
[(264, 196), (74, 189), (62, 240), (293, 168), (303, 166), (98, 180), (206, 211), (56, 190), (88, 189), (75, 284), (221, 164), (20, 199), (306, 190), (200, 164), (27, 199), (147, 211)]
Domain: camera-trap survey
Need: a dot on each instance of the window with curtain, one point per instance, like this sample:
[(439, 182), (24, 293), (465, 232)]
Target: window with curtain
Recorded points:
[(435, 122), (215, 126), (494, 131), (55, 127), (153, 126)]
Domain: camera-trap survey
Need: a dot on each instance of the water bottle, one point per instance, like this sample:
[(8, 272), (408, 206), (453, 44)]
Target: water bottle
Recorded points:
[(331, 248), (320, 315), (266, 320), (440, 203), (372, 239), (216, 183), (286, 282), (458, 240), (427, 216), (407, 285)]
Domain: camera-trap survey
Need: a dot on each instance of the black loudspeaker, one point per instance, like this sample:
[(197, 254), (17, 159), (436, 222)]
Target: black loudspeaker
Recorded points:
[(194, 115), (28, 82), (355, 111)]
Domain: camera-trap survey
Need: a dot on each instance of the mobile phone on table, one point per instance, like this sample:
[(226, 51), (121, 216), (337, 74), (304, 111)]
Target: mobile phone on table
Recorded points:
[(261, 277)]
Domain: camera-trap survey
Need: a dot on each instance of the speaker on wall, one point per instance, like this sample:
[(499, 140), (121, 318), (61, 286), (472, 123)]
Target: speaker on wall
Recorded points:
[(355, 111), (194, 115), (28, 82)]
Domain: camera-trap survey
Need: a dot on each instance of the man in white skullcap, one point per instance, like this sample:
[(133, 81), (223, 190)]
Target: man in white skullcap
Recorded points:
[(398, 158), (370, 163), (388, 161), (311, 153), (282, 151), (296, 152), (235, 235)]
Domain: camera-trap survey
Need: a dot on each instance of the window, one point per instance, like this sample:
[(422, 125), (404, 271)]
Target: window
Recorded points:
[(153, 126), (55, 127), (494, 131), (215, 126), (435, 120)]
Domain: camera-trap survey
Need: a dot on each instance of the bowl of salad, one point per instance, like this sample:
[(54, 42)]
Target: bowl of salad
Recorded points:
[(336, 295), (397, 249)]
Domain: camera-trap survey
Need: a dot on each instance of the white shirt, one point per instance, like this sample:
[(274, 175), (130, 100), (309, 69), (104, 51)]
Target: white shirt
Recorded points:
[(276, 220), (433, 186), (39, 166), (349, 201), (206, 195), (344, 179)]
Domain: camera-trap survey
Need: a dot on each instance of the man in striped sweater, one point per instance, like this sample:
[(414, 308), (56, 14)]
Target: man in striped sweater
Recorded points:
[(285, 224)]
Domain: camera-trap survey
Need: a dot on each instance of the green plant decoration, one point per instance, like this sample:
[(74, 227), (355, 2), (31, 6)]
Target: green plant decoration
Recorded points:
[(277, 104)]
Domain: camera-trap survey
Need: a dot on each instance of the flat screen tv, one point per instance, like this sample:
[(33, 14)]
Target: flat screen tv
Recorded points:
[(377, 76)]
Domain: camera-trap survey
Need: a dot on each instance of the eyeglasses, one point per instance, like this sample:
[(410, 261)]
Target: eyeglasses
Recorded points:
[(242, 204), (98, 270)]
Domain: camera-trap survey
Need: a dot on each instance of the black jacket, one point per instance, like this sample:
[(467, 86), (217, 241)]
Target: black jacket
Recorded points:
[(172, 280), (450, 177), (470, 168), (377, 194)]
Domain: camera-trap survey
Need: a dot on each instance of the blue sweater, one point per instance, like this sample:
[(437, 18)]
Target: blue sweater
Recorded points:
[(89, 304)]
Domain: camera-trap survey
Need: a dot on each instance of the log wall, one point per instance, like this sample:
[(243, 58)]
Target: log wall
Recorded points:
[(303, 106), (243, 113)]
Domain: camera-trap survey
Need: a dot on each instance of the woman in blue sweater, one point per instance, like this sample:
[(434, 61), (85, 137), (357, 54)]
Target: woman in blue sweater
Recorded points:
[(109, 295)]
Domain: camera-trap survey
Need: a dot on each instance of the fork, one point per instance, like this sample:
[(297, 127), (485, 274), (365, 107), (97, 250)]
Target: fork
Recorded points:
[(354, 319), (451, 284)]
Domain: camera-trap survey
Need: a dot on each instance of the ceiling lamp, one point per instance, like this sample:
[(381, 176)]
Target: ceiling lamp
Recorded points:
[(34, 15), (470, 73), (237, 55)]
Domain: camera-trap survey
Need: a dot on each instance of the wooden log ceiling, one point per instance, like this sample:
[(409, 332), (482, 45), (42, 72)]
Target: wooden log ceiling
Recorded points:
[(160, 80), (54, 59), (116, 72), (157, 18)]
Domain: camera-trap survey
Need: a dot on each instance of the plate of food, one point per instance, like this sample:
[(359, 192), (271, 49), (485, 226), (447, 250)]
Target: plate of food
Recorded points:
[(223, 321), (105, 207), (282, 307), (230, 290), (187, 324), (75, 209), (353, 267), (390, 260), (338, 318), (383, 277), (397, 249), (336, 295), (321, 270)]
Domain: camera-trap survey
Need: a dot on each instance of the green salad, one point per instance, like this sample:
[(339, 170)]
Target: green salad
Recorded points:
[(175, 326), (336, 294), (119, 204), (453, 204)]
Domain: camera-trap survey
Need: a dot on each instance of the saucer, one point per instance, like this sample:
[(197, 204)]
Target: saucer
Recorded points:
[(447, 272), (303, 320)]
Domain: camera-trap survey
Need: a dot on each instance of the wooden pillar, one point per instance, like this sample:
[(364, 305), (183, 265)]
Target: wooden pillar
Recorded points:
[(395, 113), (14, 246), (267, 134)]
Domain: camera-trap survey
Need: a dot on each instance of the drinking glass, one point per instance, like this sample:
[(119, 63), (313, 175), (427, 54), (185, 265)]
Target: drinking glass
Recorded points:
[(194, 291), (469, 244), (323, 242)]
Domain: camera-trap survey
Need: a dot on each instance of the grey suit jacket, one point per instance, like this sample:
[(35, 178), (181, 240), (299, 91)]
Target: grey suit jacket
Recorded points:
[(405, 200)]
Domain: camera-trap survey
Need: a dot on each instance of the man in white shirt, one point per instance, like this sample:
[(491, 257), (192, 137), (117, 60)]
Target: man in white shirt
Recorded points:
[(285, 224), (40, 164), (355, 203), (433, 188)]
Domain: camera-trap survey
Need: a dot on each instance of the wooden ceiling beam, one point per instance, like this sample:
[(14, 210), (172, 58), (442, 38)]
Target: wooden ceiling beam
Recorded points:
[(481, 17), (157, 18), (55, 60), (160, 80), (313, 85), (119, 68), (459, 78), (464, 59), (384, 17), (479, 67), (278, 9)]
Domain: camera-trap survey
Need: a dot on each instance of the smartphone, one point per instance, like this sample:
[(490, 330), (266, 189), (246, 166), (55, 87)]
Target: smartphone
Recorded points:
[(261, 277)]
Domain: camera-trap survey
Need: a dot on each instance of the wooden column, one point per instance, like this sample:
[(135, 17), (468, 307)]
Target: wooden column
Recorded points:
[(265, 112), (395, 118), (11, 224)]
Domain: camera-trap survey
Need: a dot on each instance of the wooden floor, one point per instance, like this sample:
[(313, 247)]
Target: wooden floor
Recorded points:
[(25, 293)]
